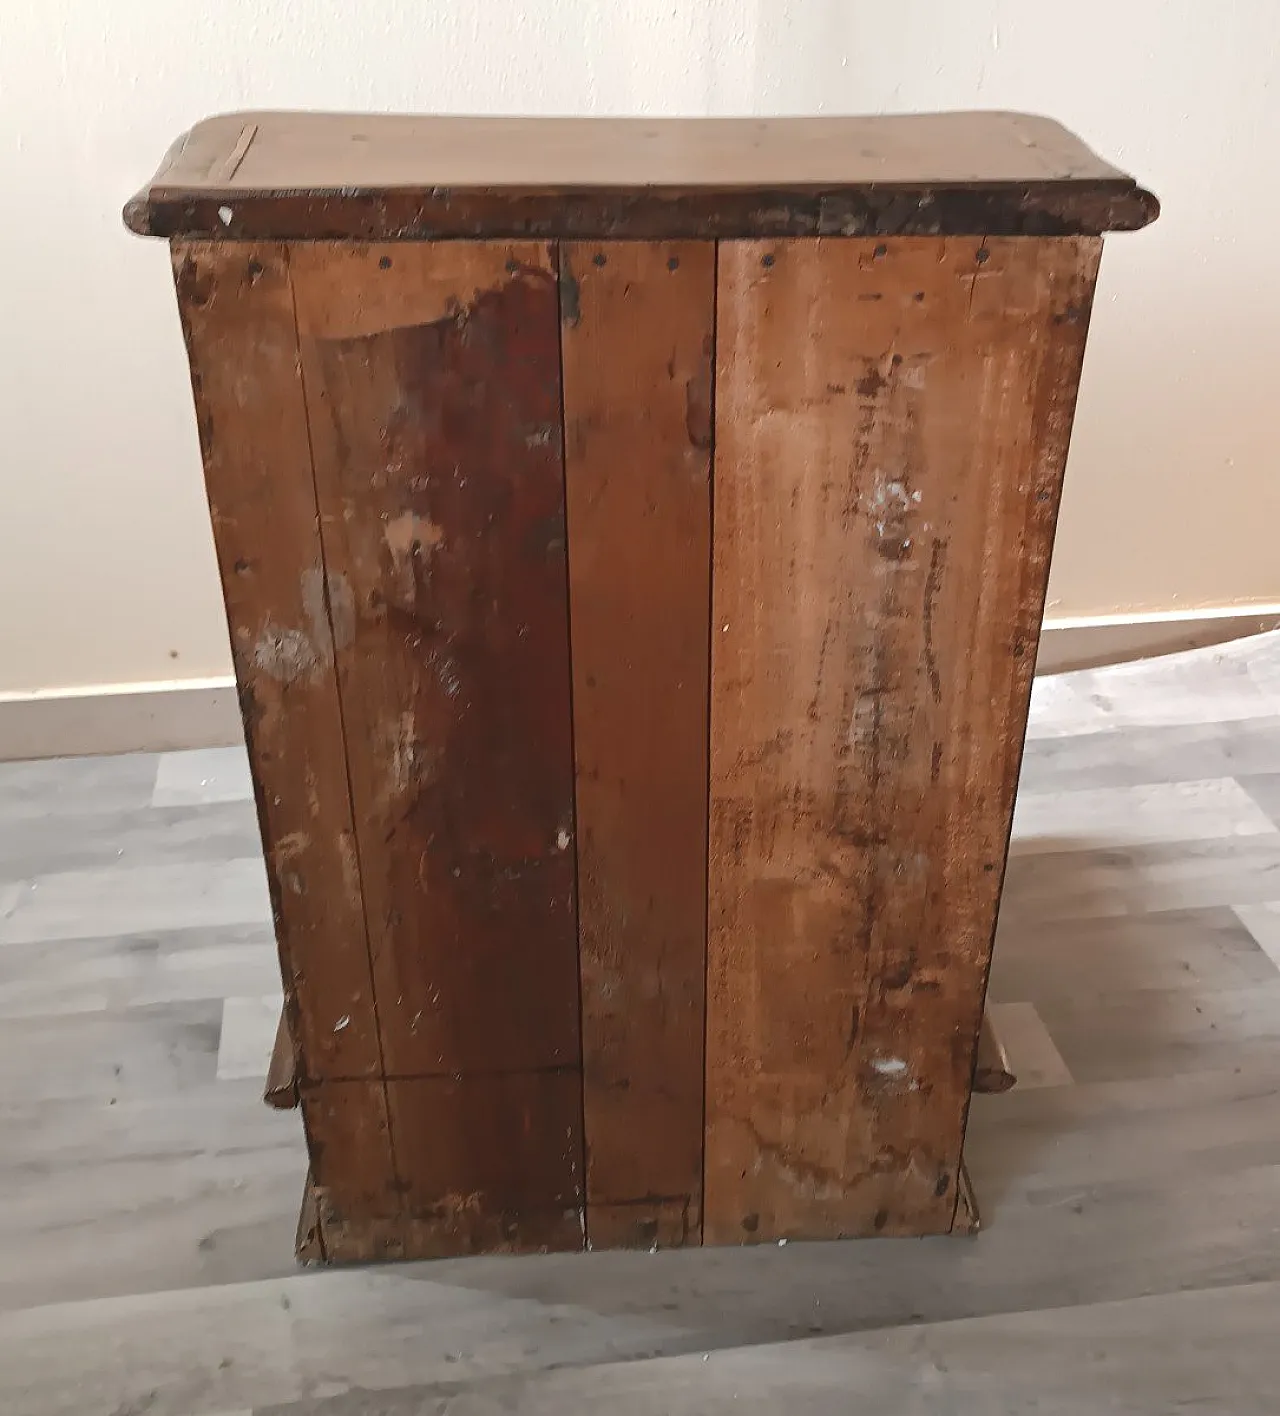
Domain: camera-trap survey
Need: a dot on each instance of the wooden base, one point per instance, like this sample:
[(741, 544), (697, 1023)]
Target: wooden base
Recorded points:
[(617, 1227)]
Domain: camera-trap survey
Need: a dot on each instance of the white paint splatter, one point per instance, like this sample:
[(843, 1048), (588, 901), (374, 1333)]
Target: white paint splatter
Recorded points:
[(888, 501), (889, 1066), (343, 1022), (225, 214), (285, 655), (562, 839)]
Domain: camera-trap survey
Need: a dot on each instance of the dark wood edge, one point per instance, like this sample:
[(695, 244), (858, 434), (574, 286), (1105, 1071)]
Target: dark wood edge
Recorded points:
[(281, 1091), (1063, 208), (967, 1219), (991, 1071)]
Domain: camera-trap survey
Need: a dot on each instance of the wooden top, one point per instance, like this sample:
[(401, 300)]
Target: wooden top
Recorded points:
[(252, 176)]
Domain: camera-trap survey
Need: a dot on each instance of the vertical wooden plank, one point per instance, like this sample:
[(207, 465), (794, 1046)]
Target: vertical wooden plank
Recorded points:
[(637, 339), (433, 388), (492, 1162), (892, 423), (284, 614)]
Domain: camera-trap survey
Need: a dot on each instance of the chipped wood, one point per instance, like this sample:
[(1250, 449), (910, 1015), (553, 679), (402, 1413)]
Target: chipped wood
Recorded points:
[(354, 1173)]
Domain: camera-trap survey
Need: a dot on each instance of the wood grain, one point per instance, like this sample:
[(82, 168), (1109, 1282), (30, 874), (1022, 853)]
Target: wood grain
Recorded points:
[(492, 1163), (353, 1174), (237, 314), (637, 342), (432, 378), (892, 423)]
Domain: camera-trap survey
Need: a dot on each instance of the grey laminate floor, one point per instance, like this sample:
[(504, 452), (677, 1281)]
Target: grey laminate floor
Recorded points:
[(1130, 1186)]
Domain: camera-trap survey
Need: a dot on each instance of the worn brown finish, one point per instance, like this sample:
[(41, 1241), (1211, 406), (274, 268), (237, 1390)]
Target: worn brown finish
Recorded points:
[(353, 1173), (433, 387), (237, 314), (490, 1162), (991, 1070), (637, 338), (891, 426), (395, 177)]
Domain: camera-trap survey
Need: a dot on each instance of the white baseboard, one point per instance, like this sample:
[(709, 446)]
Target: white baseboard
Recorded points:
[(1093, 640), (108, 718), (161, 717)]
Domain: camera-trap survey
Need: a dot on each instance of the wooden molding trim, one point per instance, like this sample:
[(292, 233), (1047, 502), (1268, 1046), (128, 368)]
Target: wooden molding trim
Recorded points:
[(110, 718)]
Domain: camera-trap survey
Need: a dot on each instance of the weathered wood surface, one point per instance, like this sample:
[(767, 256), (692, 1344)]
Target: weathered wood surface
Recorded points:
[(490, 1163), (237, 314), (433, 387), (355, 1182), (364, 177), (891, 426), (637, 331)]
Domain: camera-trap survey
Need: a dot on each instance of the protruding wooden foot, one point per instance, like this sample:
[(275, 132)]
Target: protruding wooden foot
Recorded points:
[(967, 1220)]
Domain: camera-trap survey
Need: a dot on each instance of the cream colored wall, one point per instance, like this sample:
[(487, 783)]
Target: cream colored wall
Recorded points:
[(106, 569)]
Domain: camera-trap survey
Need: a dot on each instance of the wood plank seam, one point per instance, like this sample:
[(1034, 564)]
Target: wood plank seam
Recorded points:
[(381, 1078), (1050, 384), (227, 169), (711, 618), (560, 261)]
